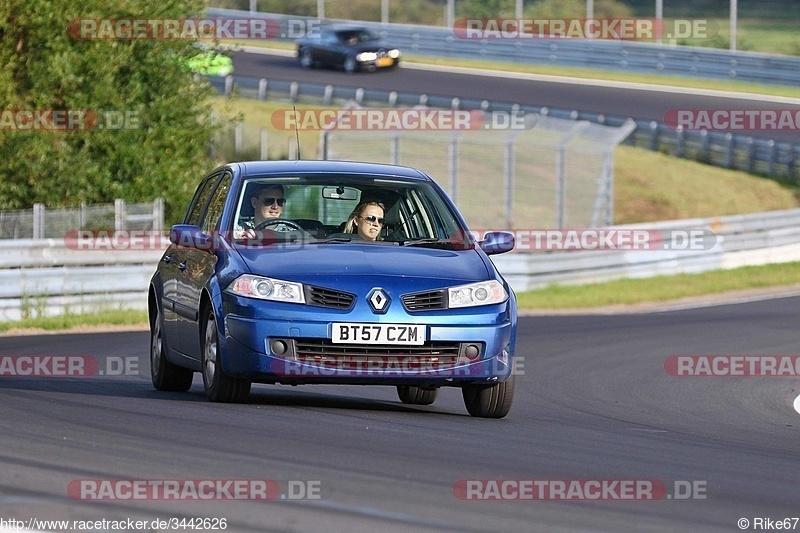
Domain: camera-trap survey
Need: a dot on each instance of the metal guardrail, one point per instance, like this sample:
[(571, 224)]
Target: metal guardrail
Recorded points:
[(622, 56), (739, 152), (45, 276)]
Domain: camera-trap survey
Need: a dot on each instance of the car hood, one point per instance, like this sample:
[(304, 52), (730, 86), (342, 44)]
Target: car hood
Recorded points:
[(315, 261), (370, 46)]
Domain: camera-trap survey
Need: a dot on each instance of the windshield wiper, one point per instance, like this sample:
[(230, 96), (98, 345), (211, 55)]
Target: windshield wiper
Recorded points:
[(416, 242), (333, 239)]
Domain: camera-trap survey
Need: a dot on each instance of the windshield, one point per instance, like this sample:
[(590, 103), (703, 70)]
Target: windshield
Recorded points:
[(341, 208), (356, 36)]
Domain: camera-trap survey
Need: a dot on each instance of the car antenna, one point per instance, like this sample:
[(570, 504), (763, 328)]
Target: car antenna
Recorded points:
[(296, 132)]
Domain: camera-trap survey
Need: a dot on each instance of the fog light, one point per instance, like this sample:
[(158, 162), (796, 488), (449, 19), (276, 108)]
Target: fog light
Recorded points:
[(278, 347), (472, 351)]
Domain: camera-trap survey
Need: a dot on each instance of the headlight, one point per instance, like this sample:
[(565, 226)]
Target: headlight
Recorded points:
[(394, 53), (267, 289), (367, 56), (482, 293)]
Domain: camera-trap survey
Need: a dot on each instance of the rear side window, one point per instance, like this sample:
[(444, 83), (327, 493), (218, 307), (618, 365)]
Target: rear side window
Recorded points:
[(216, 205), (200, 200)]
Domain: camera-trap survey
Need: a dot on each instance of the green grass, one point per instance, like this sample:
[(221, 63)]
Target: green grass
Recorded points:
[(68, 321), (661, 288)]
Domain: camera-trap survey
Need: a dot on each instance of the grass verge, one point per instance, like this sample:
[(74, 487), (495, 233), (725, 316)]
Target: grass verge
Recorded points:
[(661, 288), (69, 321)]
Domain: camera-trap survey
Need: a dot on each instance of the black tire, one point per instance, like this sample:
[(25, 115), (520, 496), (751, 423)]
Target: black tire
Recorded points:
[(166, 376), (350, 64), (415, 395), (218, 386), (489, 401), (305, 58)]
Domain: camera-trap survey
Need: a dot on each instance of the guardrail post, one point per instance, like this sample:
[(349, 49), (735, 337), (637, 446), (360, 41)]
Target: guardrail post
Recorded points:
[(237, 138), (38, 221), (705, 146), (394, 149), (792, 164), (455, 103), (423, 99), (751, 155), (82, 216), (680, 141), (323, 145), (654, 136), (253, 6), (119, 214), (326, 98), (158, 215), (228, 84), (509, 175), (262, 89), (728, 150), (392, 98), (293, 87), (359, 95), (772, 156), (452, 153), (292, 149), (264, 138)]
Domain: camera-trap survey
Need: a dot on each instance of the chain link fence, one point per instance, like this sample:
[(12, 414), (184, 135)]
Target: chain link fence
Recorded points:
[(54, 223), (553, 173)]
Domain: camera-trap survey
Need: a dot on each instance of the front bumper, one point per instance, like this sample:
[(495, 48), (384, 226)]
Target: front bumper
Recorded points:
[(250, 350)]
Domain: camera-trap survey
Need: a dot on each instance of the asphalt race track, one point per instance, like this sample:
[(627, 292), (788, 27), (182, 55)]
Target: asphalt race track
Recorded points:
[(594, 403), (593, 98)]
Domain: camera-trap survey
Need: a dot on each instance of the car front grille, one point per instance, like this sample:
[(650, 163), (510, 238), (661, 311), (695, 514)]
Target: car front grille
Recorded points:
[(325, 353), (425, 301), (329, 298)]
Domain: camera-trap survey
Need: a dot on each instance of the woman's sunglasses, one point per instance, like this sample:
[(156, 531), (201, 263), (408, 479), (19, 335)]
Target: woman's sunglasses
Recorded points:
[(372, 219)]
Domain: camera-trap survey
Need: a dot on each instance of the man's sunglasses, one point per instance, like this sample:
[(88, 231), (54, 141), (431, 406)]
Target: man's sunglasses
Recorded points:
[(372, 219), (269, 201)]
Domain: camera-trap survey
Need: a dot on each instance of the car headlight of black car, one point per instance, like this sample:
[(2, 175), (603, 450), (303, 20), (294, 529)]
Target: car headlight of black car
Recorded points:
[(474, 294), (367, 56), (264, 288)]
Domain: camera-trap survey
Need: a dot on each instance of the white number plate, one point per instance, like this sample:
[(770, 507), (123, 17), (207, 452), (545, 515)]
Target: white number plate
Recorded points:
[(411, 334)]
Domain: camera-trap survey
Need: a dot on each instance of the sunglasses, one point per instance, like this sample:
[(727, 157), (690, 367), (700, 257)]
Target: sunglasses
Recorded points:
[(270, 201), (372, 219)]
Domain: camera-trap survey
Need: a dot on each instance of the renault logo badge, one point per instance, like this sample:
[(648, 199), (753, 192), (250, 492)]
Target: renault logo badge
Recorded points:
[(379, 301)]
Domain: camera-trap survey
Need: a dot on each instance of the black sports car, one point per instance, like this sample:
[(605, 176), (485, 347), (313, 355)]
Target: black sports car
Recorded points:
[(351, 47)]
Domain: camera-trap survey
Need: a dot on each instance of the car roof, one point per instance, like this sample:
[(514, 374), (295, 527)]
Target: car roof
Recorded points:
[(260, 168)]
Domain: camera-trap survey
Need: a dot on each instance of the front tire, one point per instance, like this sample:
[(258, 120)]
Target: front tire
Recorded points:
[(166, 376), (218, 386), (306, 59), (350, 64), (489, 401), (416, 396)]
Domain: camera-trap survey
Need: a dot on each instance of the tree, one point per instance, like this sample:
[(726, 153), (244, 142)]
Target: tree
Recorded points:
[(141, 85)]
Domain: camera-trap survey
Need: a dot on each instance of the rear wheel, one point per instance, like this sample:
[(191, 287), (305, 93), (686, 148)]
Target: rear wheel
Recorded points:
[(166, 376), (489, 401), (219, 387), (415, 395)]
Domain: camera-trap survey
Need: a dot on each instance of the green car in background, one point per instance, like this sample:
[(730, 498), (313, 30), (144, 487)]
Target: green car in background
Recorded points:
[(210, 62)]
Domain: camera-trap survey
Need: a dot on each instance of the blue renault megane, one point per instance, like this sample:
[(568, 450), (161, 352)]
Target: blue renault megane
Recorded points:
[(302, 272)]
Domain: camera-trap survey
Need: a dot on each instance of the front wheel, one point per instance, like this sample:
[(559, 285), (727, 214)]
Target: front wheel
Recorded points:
[(306, 59), (219, 387), (415, 395), (166, 376), (489, 401), (350, 64)]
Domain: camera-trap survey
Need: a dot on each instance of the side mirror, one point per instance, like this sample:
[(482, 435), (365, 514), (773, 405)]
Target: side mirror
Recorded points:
[(497, 242), (189, 236)]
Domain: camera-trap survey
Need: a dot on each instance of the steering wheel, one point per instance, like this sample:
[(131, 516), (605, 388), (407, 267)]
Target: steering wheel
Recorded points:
[(278, 221)]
